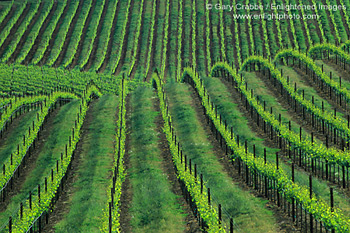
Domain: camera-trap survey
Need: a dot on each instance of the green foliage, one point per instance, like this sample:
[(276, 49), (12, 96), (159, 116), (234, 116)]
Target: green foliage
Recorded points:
[(19, 33), (34, 33), (118, 163), (192, 184), (318, 208), (39, 206), (48, 34), (6, 31)]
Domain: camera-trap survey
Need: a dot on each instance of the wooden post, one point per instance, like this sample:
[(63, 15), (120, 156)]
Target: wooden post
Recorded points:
[(30, 200), (332, 199), (45, 184), (21, 210), (39, 193), (310, 185), (254, 150), (201, 183), (209, 196), (10, 224), (195, 171), (110, 218)]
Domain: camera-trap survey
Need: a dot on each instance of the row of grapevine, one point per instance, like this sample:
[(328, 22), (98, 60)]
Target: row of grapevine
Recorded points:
[(136, 39), (62, 35), (278, 26), (116, 63), (335, 25), (111, 212), (313, 149), (207, 24), (192, 184), (292, 28), (106, 33), (48, 34), (78, 33), (5, 12), (6, 32), (194, 33), (318, 50), (148, 61), (264, 27), (250, 31), (346, 17), (327, 117), (45, 79), (17, 156), (222, 34), (179, 41), (4, 102), (339, 92), (34, 33), (238, 47), (305, 24), (13, 104), (91, 35), (36, 206), (20, 31), (331, 218)]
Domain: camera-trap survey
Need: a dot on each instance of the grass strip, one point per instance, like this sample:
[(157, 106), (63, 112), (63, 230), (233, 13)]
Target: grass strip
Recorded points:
[(89, 193), (154, 207)]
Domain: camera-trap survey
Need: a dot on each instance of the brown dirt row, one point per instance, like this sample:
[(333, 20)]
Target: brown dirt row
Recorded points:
[(26, 33), (54, 34), (125, 40), (68, 36), (35, 46), (13, 30), (110, 42), (284, 222), (82, 37), (149, 75), (97, 38)]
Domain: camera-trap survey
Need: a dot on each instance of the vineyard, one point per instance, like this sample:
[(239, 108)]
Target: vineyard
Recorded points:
[(174, 116)]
